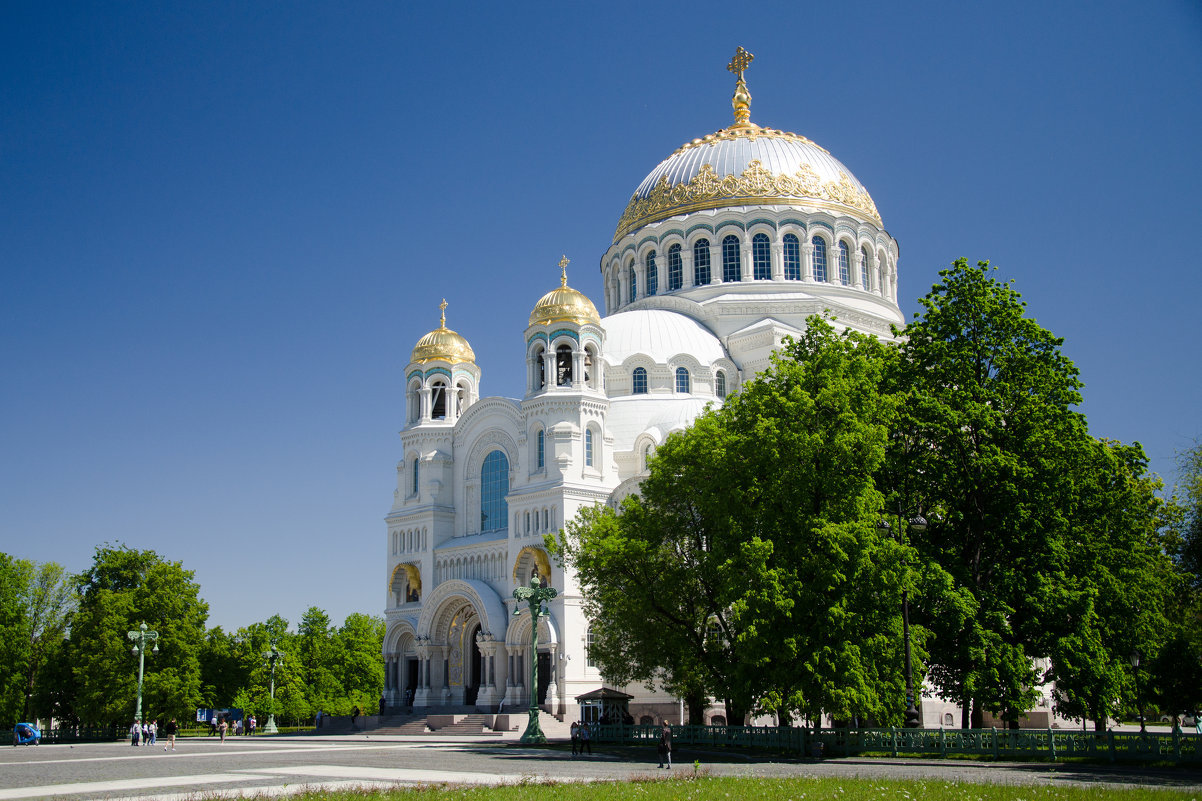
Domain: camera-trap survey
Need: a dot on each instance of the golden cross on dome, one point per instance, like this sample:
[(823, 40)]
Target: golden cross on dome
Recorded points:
[(741, 102), (443, 307), (740, 62), (563, 270)]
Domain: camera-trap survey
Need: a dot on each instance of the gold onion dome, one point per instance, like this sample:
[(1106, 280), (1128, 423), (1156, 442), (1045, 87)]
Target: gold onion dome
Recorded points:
[(564, 304), (745, 165), (443, 344)]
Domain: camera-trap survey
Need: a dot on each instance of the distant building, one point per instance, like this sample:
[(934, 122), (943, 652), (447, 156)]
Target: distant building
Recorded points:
[(724, 249)]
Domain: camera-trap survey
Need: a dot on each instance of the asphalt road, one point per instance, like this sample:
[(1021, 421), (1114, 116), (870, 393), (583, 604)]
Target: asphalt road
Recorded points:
[(280, 765)]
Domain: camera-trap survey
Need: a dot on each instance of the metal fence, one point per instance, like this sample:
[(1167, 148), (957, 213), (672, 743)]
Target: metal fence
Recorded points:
[(83, 734), (1051, 744)]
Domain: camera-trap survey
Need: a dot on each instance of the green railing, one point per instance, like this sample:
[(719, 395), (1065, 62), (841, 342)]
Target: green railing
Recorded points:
[(1049, 744), (82, 734)]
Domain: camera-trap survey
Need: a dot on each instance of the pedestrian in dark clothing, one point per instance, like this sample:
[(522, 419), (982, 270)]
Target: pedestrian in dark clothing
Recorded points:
[(575, 737), (665, 746), (586, 738)]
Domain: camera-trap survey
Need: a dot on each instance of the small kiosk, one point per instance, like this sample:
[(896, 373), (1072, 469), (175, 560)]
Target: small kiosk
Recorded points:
[(605, 706)]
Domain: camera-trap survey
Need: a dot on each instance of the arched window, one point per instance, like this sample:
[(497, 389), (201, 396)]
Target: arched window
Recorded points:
[(494, 486), (542, 449), (701, 262), (588, 649), (640, 381), (438, 401), (819, 258), (720, 384), (634, 282), (865, 260), (563, 365), (675, 270), (588, 368), (527, 522), (792, 258), (731, 270), (588, 447), (646, 456), (844, 264), (540, 368), (652, 274), (413, 490), (761, 258), (682, 379)]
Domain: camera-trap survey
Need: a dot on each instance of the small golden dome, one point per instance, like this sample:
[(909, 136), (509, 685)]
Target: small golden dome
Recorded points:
[(564, 304), (443, 344)]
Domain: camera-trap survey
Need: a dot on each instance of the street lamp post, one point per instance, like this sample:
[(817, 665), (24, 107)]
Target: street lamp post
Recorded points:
[(141, 636), (534, 595), (1139, 702), (917, 524), (272, 656)]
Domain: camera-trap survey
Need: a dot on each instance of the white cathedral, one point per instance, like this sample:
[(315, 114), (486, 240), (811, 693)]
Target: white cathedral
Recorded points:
[(725, 248)]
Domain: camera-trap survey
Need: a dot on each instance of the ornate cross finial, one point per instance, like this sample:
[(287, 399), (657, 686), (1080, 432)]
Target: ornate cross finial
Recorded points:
[(563, 270), (443, 307), (740, 62), (741, 102)]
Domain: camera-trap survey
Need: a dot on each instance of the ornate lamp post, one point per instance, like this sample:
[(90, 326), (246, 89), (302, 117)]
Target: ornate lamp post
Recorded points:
[(534, 595), (917, 524), (141, 637), (273, 655), (1139, 703)]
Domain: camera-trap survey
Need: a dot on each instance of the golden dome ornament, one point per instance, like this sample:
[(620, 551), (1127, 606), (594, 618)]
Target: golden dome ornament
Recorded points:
[(564, 304), (442, 344)]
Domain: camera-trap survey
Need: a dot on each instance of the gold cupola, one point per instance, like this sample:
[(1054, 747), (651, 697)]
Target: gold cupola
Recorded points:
[(564, 304), (443, 344)]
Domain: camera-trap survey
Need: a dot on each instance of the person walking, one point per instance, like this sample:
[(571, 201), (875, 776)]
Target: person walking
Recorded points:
[(586, 738), (253, 724), (222, 728), (135, 733), (575, 737), (154, 731), (170, 729), (665, 745)]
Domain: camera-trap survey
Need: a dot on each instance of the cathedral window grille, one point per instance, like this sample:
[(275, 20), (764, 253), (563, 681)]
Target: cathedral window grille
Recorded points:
[(563, 365), (819, 258), (438, 401), (864, 262), (588, 447), (720, 384), (652, 274), (844, 264), (731, 270), (675, 269), (701, 262), (761, 258), (494, 486), (640, 381), (413, 491), (682, 379), (634, 282), (542, 449), (792, 252)]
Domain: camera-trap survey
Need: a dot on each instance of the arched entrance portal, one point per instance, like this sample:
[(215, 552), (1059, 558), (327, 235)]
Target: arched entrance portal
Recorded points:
[(457, 652)]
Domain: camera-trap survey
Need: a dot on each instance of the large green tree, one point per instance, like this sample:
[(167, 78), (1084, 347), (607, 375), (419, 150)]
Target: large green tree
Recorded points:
[(990, 400), (123, 588), (14, 644), (752, 566), (49, 601)]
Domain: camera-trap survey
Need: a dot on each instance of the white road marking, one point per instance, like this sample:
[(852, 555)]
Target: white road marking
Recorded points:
[(117, 785)]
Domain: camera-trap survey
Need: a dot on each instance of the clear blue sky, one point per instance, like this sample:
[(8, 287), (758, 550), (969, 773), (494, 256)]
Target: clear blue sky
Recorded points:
[(224, 225)]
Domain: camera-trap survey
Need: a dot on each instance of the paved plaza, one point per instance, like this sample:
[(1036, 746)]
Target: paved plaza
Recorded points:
[(281, 765)]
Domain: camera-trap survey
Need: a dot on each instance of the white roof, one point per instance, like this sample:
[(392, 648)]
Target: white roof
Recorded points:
[(631, 415), (659, 335)]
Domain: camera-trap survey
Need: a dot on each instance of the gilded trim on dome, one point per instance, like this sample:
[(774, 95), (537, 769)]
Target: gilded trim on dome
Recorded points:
[(750, 134), (756, 186)]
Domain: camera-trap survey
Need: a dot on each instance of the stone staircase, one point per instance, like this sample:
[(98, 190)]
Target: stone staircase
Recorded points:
[(403, 723), (469, 725), (453, 721)]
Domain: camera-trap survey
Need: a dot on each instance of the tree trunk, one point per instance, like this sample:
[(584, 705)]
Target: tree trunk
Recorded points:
[(696, 705)]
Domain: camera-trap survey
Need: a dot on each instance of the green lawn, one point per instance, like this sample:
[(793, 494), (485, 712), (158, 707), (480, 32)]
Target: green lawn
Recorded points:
[(683, 787)]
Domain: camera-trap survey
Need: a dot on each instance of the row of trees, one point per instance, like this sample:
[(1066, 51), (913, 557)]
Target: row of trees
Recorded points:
[(765, 559), (64, 650)]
